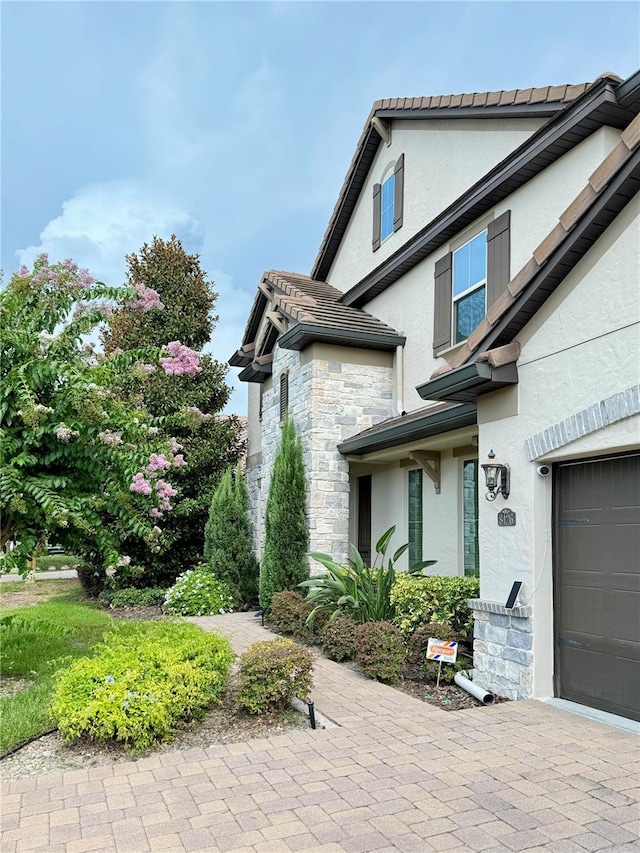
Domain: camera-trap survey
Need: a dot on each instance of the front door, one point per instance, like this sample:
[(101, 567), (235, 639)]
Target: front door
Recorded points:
[(597, 583)]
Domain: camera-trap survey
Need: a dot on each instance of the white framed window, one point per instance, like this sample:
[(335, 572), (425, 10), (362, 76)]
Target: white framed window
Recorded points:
[(469, 288)]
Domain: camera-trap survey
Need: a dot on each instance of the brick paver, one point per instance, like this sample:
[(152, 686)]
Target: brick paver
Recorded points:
[(395, 774)]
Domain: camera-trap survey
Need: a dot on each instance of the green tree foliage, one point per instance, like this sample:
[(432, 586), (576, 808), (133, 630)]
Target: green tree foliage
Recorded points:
[(227, 539), (72, 451), (189, 405), (284, 562), (184, 290)]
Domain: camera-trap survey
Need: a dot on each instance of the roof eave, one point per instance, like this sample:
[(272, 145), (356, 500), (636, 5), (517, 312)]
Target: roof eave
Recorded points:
[(303, 334), (255, 372), (465, 384), (444, 420), (541, 110), (490, 190)]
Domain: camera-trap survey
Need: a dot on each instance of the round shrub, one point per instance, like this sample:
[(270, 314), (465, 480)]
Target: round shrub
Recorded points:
[(271, 673), (198, 593), (380, 650), (435, 598), (338, 639), (288, 614), (419, 640), (141, 683)]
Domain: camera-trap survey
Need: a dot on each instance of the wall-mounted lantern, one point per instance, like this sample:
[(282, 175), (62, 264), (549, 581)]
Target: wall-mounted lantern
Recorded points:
[(497, 477)]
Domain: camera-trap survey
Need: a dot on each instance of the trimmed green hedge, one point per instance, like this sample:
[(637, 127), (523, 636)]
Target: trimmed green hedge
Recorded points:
[(141, 684), (436, 598)]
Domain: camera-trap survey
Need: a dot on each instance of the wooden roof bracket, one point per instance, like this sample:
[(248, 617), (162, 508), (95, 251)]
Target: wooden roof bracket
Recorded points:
[(429, 461), (274, 318), (383, 128)]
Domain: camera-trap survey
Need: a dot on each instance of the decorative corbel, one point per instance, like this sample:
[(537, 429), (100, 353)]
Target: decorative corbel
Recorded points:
[(383, 128), (429, 461)]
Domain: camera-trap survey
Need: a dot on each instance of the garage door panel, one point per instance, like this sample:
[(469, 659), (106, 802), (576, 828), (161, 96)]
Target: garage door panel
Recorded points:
[(597, 583)]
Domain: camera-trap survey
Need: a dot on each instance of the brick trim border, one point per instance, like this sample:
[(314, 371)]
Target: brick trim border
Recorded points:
[(599, 415)]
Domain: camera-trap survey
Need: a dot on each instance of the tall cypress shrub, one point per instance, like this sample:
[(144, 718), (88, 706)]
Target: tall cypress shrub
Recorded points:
[(284, 562), (227, 538)]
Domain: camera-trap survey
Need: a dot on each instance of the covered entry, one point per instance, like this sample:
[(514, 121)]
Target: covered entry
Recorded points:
[(597, 583)]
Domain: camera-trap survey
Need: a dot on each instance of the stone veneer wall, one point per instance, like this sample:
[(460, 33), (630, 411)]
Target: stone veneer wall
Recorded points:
[(502, 649), (328, 401)]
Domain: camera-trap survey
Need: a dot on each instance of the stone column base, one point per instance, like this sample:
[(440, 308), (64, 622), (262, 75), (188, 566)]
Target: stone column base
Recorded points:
[(502, 649)]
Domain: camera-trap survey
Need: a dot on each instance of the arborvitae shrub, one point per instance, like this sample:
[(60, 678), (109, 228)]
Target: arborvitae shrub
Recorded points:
[(380, 650), (284, 562), (271, 674), (227, 546), (338, 638)]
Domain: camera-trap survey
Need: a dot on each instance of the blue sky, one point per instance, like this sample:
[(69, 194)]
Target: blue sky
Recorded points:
[(232, 124)]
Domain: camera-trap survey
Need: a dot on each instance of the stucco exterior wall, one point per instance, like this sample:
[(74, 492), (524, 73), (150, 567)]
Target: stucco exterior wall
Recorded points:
[(441, 513), (408, 304), (443, 158), (582, 347)]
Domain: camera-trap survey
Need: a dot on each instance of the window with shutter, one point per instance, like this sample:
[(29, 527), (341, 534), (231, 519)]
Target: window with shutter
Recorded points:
[(388, 204), (284, 395), (468, 281)]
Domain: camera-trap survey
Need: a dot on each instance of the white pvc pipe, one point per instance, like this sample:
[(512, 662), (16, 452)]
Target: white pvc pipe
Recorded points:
[(477, 692)]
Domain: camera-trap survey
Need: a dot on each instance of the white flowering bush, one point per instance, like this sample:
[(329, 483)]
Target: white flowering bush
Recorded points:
[(198, 593)]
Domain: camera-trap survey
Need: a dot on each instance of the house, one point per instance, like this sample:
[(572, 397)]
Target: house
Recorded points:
[(477, 292)]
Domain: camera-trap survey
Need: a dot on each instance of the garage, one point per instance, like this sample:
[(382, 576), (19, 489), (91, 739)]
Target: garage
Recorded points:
[(597, 583)]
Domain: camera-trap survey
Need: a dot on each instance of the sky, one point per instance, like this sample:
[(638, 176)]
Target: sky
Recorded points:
[(232, 124)]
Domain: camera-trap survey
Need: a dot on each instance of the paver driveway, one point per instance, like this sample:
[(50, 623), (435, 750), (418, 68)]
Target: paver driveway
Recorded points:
[(396, 775)]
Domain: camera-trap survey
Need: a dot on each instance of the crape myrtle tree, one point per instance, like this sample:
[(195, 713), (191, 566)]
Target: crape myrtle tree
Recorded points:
[(187, 405), (73, 452), (227, 539), (284, 561)]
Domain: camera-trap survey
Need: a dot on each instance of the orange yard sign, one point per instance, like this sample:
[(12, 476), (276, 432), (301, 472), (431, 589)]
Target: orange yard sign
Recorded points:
[(440, 650)]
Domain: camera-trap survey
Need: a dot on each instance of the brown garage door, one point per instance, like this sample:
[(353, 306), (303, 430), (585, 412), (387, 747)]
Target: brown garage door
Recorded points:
[(597, 583)]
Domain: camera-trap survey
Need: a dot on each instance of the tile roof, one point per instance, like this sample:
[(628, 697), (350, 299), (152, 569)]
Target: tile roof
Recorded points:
[(512, 101), (305, 300), (627, 146)]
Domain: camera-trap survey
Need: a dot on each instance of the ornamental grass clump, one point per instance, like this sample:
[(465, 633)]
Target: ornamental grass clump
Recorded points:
[(198, 592), (380, 650), (271, 674), (141, 684)]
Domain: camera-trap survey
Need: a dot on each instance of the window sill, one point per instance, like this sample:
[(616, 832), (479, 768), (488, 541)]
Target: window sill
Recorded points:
[(451, 350)]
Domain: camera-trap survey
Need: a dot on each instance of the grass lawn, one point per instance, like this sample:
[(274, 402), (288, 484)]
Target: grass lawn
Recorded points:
[(36, 641)]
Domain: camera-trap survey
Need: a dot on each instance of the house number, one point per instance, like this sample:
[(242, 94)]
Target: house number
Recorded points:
[(506, 518)]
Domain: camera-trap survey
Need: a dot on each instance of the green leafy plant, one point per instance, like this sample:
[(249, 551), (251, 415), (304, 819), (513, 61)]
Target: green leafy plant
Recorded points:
[(288, 615), (417, 601), (380, 650), (338, 638), (198, 592), (358, 590), (272, 673), (71, 449), (284, 562), (416, 659), (227, 538), (141, 684), (132, 597)]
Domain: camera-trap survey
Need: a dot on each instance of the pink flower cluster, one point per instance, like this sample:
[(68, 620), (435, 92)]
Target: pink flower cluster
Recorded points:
[(63, 433), (182, 361), (158, 462), (110, 438), (148, 299), (194, 410), (179, 461), (164, 491), (140, 484), (173, 444), (148, 368)]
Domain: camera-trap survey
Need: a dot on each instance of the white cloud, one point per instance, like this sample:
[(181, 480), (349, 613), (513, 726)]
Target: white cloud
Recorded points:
[(104, 222)]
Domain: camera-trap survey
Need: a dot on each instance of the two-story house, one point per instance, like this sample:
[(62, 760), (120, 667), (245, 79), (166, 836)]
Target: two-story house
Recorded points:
[(477, 291)]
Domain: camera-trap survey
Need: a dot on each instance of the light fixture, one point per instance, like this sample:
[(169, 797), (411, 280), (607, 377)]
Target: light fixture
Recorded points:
[(497, 477)]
